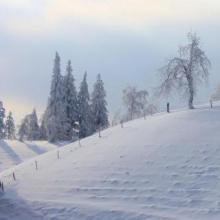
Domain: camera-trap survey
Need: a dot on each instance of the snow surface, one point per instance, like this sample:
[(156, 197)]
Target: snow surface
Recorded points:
[(15, 152), (166, 167)]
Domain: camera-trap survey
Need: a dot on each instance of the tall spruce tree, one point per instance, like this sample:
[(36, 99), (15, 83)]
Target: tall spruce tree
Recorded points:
[(99, 105), (84, 115), (10, 127), (33, 131), (43, 129), (55, 115), (2, 124), (23, 129), (70, 96)]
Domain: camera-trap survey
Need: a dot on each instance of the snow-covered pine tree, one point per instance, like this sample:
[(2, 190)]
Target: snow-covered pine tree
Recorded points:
[(55, 115), (23, 129), (70, 96), (33, 130), (84, 115), (10, 127), (29, 128), (43, 130), (99, 105), (2, 124)]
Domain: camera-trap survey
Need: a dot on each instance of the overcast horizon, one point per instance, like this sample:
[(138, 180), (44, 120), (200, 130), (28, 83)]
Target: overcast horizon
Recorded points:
[(126, 42)]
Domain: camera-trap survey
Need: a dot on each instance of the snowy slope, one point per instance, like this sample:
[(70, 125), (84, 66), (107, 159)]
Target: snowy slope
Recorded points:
[(15, 152), (164, 168)]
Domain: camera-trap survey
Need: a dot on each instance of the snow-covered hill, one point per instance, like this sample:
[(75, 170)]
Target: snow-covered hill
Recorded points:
[(15, 152), (164, 168)]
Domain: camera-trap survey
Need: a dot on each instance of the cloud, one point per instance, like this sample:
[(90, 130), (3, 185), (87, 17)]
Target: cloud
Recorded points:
[(137, 15), (16, 3), (131, 13)]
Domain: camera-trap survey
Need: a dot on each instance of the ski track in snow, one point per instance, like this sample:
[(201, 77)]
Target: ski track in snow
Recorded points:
[(164, 168)]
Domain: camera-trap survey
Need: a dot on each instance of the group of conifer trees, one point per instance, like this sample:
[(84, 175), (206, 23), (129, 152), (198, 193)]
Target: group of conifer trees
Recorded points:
[(67, 110)]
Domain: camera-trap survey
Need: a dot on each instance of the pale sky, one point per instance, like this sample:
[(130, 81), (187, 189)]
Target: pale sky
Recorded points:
[(126, 41)]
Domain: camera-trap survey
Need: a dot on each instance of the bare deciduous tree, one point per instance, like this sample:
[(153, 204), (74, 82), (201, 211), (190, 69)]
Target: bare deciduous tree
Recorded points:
[(187, 70), (135, 101), (151, 109), (117, 117), (216, 95)]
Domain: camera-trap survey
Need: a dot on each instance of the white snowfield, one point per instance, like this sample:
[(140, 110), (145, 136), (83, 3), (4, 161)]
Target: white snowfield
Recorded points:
[(15, 152), (166, 167)]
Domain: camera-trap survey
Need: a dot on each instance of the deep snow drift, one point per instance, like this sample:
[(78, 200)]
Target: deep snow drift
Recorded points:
[(164, 167)]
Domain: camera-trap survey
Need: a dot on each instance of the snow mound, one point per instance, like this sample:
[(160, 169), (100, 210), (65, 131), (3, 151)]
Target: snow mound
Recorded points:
[(15, 152), (166, 167)]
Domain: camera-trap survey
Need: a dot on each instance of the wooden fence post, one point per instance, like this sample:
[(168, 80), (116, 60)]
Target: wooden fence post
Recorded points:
[(14, 176), (121, 122), (36, 167), (211, 103), (168, 107)]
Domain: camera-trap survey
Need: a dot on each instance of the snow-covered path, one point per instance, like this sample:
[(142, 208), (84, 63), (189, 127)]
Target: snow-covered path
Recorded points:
[(165, 167)]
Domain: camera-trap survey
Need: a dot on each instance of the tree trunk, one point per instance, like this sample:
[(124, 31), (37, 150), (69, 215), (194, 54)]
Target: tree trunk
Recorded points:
[(191, 92), (168, 107), (190, 104), (99, 132)]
